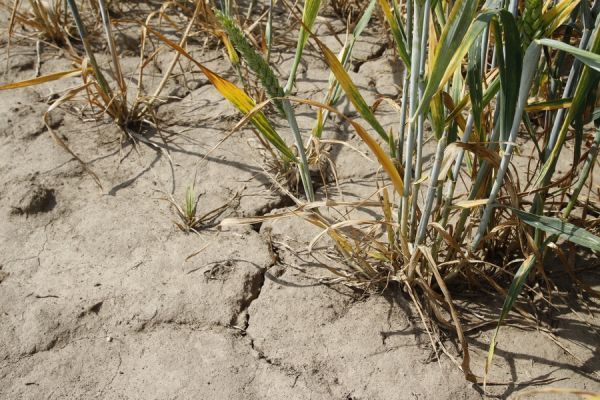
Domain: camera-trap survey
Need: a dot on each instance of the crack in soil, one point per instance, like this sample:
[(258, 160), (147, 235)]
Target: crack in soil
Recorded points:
[(373, 56), (255, 286), (39, 252), (287, 369)]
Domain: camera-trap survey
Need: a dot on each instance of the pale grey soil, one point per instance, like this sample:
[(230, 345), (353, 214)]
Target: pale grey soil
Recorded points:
[(101, 296)]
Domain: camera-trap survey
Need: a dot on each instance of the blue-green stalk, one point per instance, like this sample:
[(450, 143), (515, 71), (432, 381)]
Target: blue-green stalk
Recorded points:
[(405, 85), (88, 49), (530, 62), (420, 120), (432, 191), (413, 103)]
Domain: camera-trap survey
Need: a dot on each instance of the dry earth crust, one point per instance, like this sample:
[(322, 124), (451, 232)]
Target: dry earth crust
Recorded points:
[(99, 297)]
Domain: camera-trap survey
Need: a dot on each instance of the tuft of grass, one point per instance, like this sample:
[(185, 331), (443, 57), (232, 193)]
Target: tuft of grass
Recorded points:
[(187, 212), (47, 18), (188, 218), (106, 88)]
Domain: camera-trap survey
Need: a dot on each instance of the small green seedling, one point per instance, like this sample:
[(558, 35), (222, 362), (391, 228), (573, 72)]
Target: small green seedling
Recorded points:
[(187, 212), (188, 220)]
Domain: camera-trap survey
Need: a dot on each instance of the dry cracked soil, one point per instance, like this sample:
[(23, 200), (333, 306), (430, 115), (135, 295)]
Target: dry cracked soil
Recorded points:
[(102, 296)]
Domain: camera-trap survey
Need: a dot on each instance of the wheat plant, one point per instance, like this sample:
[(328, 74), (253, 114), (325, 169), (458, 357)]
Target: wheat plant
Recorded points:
[(475, 76)]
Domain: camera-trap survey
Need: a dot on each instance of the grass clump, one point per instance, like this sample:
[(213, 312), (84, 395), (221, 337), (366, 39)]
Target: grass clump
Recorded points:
[(187, 213), (105, 88), (188, 218), (48, 19)]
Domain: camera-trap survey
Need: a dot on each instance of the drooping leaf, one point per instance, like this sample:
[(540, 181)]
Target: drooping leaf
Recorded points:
[(587, 81), (557, 15), (333, 90), (549, 105), (471, 203), (384, 160), (511, 297), (587, 57), (560, 228), (41, 79)]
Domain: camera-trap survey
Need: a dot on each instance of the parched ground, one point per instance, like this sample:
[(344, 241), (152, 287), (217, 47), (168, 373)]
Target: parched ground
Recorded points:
[(102, 296)]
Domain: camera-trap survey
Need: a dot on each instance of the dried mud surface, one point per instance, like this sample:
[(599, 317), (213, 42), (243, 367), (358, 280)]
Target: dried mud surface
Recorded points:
[(101, 296)]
